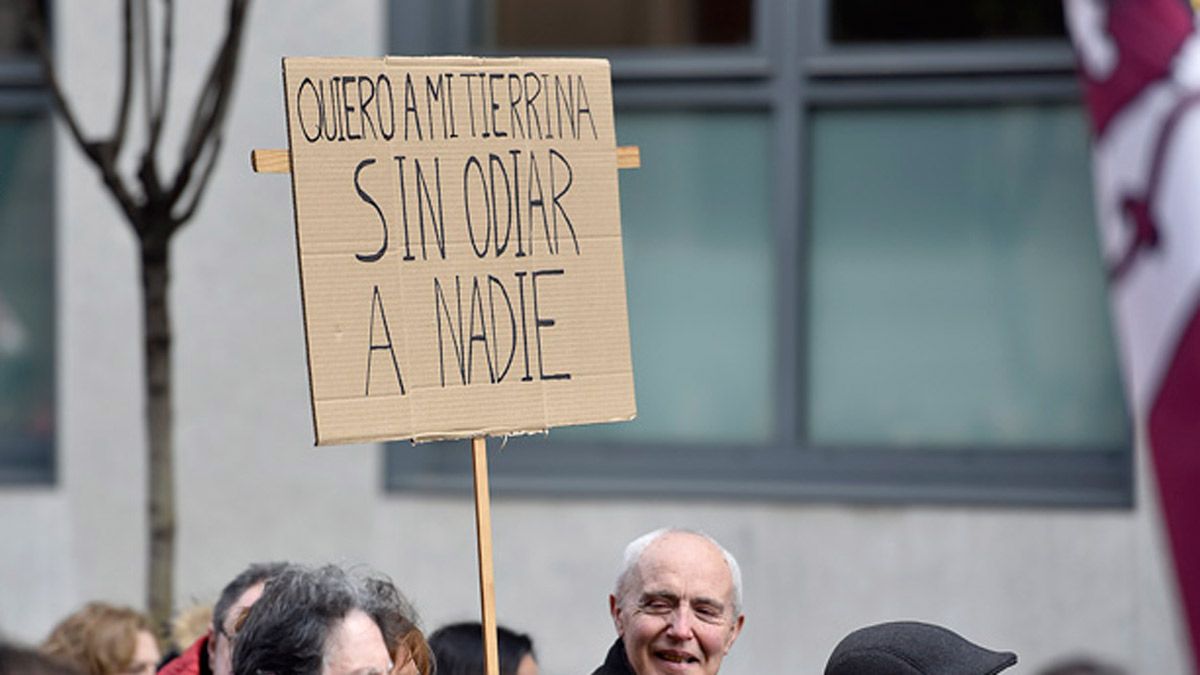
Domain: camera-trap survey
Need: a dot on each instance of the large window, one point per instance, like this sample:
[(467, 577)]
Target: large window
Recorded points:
[(887, 288), (27, 303), (958, 305)]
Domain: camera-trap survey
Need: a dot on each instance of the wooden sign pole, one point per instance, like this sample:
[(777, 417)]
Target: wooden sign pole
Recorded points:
[(483, 537)]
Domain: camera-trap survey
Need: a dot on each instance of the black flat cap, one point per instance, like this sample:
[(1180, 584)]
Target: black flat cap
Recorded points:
[(913, 648)]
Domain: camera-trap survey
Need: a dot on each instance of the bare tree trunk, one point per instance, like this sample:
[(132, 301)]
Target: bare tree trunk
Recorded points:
[(155, 212), (160, 473)]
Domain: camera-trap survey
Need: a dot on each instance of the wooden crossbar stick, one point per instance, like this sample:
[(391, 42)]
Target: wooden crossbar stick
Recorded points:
[(280, 161), (483, 537), (628, 157)]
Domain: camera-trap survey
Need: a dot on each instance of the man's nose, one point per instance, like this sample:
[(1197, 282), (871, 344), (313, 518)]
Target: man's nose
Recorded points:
[(681, 624)]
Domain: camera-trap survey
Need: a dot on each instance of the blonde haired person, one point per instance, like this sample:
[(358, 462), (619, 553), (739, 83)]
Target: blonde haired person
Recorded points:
[(104, 639), (189, 625)]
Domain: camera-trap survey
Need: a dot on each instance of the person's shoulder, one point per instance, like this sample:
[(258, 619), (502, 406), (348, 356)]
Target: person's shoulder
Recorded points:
[(615, 662), (193, 660)]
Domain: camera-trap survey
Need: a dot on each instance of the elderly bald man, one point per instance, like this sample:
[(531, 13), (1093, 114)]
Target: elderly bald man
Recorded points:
[(677, 606)]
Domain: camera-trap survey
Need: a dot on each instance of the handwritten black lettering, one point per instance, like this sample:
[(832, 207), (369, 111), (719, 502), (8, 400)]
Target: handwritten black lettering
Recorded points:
[(496, 162), (439, 302), (539, 323), (494, 283), (410, 107), (438, 221), (481, 337), (558, 195), (316, 98), (362, 194), (391, 101), (372, 347), (364, 110), (404, 207), (488, 208)]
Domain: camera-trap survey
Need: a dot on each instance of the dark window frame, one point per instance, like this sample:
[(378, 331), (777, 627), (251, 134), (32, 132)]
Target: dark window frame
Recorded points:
[(23, 93), (788, 70)]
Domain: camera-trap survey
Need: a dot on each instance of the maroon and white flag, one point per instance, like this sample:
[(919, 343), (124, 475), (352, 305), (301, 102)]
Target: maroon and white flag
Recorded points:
[(1140, 65)]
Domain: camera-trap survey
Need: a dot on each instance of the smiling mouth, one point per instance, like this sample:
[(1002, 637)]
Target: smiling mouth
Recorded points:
[(671, 656)]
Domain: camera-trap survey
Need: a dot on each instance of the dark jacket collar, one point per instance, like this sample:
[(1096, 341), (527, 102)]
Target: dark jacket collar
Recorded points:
[(616, 663)]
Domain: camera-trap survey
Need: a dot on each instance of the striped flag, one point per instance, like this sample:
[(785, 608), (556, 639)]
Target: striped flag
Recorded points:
[(1140, 65)]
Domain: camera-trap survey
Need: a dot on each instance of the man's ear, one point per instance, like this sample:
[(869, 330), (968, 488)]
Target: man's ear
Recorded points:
[(615, 610), (210, 645), (737, 630)]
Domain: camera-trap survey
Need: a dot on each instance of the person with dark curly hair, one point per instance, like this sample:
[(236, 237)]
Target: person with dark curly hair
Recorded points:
[(327, 621)]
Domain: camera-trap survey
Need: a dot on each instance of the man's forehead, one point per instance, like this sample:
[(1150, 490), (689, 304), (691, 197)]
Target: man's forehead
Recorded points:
[(251, 594), (246, 599), (681, 556), (356, 647), (683, 548)]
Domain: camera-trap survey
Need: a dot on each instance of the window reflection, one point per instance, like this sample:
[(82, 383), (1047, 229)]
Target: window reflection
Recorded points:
[(699, 270), (26, 294), (852, 21), (956, 294), (14, 39), (566, 24)]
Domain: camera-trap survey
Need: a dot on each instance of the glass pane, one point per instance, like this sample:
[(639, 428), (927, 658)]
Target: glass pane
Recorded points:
[(564, 24), (927, 20), (13, 37), (699, 271), (26, 294), (957, 295)]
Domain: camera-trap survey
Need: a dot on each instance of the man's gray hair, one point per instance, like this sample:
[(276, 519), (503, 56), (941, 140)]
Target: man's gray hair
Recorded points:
[(635, 549), (254, 574), (286, 631)]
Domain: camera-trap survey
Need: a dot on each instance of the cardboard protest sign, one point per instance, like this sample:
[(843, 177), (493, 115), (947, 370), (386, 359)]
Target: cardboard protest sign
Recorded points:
[(459, 240)]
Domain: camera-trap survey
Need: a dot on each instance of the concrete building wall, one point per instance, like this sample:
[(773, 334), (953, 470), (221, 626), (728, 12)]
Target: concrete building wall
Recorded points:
[(1039, 582)]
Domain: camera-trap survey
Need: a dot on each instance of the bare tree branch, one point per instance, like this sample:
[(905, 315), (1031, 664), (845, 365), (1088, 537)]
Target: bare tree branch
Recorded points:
[(94, 150), (201, 183), (118, 137), (168, 51), (147, 61), (148, 168), (37, 30), (214, 97)]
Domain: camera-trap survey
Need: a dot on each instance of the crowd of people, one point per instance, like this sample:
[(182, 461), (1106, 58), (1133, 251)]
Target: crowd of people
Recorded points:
[(676, 608)]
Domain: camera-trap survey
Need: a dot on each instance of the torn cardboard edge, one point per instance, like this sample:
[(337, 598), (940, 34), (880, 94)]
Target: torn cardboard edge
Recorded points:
[(437, 437)]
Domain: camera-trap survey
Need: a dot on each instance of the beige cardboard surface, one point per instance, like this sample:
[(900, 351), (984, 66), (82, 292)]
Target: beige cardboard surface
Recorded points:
[(459, 237)]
